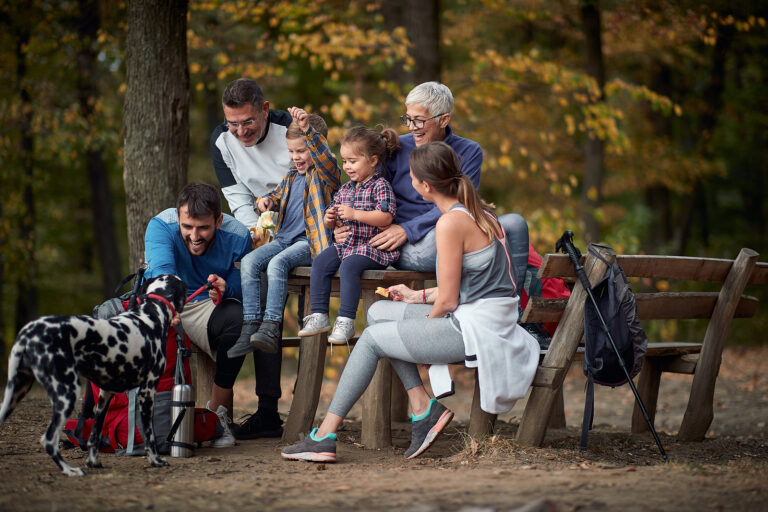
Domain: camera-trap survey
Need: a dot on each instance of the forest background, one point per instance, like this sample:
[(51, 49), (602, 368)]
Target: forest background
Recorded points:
[(641, 124)]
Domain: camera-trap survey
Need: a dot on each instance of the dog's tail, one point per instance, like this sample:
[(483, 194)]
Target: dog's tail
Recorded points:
[(19, 382)]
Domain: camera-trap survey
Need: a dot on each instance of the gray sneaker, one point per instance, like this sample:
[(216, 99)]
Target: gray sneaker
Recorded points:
[(315, 324), (243, 344), (425, 431), (268, 337), (227, 439), (343, 331), (311, 450)]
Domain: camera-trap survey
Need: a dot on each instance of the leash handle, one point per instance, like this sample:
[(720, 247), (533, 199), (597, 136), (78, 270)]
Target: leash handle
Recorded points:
[(207, 286), (137, 286)]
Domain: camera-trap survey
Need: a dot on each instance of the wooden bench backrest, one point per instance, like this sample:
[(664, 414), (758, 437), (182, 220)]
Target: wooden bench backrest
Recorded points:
[(660, 305)]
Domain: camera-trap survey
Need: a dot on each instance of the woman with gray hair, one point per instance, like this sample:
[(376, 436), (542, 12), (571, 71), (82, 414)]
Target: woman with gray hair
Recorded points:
[(428, 111)]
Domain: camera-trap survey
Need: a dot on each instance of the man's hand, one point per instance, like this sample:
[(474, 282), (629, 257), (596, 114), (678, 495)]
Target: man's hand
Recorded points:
[(390, 238), (340, 233), (301, 118), (265, 204), (330, 216), (217, 283)]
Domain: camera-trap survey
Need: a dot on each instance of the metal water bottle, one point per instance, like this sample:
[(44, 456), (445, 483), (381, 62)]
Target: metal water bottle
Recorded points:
[(182, 405), (183, 402)]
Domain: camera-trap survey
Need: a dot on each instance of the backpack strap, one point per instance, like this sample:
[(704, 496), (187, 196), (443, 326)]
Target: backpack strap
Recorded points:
[(87, 408), (589, 412), (132, 395)]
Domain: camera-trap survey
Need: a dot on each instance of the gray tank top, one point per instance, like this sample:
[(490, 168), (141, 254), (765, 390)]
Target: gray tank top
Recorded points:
[(485, 272)]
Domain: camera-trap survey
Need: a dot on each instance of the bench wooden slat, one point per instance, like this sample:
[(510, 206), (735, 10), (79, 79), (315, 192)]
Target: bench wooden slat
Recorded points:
[(659, 267), (650, 306)]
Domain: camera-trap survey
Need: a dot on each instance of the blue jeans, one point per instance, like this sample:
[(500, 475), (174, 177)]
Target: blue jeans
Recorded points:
[(277, 259)]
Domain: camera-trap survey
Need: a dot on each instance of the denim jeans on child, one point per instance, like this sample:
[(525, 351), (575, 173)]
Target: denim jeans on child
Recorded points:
[(277, 259)]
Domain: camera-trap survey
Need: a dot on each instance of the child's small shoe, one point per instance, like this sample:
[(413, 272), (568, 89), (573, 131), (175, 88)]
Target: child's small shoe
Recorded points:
[(343, 331), (243, 344), (315, 324)]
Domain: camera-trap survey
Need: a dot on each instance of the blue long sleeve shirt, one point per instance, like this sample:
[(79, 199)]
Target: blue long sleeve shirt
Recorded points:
[(166, 253), (415, 215)]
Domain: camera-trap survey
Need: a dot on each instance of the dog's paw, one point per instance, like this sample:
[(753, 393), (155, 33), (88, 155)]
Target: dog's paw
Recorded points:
[(70, 471), (159, 463), (93, 464)]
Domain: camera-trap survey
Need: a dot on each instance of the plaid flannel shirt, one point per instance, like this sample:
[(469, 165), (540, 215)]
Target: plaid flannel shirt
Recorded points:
[(323, 180), (374, 194)]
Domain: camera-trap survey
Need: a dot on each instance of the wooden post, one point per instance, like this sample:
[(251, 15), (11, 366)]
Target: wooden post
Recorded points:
[(377, 399), (308, 383), (481, 423), (204, 372), (533, 425), (699, 412), (648, 389), (557, 416)]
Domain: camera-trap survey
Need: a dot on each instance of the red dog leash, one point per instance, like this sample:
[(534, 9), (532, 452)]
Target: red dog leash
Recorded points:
[(207, 286)]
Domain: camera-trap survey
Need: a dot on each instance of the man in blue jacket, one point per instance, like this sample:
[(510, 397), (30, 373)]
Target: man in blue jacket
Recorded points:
[(198, 243)]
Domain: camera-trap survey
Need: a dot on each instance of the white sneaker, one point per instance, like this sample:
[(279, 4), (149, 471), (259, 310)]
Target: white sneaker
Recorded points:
[(227, 439), (315, 324), (343, 331)]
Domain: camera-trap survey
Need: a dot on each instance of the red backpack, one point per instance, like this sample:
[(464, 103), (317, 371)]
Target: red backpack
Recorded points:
[(549, 287)]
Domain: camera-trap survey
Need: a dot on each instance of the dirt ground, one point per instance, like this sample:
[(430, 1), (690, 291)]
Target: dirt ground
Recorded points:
[(618, 472)]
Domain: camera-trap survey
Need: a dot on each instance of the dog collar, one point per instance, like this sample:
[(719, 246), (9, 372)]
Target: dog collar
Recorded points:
[(164, 301)]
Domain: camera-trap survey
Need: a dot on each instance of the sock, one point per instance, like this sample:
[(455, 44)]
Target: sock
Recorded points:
[(425, 414), (318, 439)]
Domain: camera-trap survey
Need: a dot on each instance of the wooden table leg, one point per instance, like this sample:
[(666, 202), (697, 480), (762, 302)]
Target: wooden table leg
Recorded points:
[(308, 384), (481, 423), (377, 399)]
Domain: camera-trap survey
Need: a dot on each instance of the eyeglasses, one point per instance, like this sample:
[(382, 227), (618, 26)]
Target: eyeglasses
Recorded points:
[(245, 124), (417, 123)]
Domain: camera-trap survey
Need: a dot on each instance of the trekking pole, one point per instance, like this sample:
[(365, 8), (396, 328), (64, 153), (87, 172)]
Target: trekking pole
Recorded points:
[(565, 243)]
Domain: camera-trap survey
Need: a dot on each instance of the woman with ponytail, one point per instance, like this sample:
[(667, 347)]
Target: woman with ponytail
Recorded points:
[(471, 315)]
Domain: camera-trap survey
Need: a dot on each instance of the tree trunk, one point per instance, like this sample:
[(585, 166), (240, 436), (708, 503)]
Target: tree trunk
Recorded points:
[(101, 196), (591, 195), (421, 19), (695, 205), (156, 117), (26, 300)]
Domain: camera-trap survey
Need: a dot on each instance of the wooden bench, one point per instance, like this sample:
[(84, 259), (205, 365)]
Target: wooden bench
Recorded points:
[(702, 360)]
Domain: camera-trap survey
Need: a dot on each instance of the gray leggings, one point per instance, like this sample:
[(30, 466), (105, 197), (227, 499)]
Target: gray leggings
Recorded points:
[(400, 332)]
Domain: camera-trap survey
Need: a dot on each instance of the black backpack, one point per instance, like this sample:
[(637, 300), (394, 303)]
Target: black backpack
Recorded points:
[(617, 305)]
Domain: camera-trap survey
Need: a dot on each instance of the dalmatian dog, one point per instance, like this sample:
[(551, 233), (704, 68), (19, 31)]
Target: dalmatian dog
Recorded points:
[(116, 354)]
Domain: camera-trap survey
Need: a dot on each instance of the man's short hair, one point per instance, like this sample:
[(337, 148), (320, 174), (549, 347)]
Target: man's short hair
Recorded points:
[(433, 96), (201, 200), (314, 120), (241, 92)]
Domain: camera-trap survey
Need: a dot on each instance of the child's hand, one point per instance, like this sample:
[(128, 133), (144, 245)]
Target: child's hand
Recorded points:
[(330, 215), (265, 204), (345, 212), (301, 117)]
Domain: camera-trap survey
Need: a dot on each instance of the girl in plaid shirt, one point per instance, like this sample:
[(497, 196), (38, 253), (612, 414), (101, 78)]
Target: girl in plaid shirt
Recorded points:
[(366, 204)]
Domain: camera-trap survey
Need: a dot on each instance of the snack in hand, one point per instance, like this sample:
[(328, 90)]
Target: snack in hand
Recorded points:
[(382, 291), (262, 233)]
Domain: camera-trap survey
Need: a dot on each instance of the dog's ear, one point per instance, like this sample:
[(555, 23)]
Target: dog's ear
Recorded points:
[(179, 288)]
